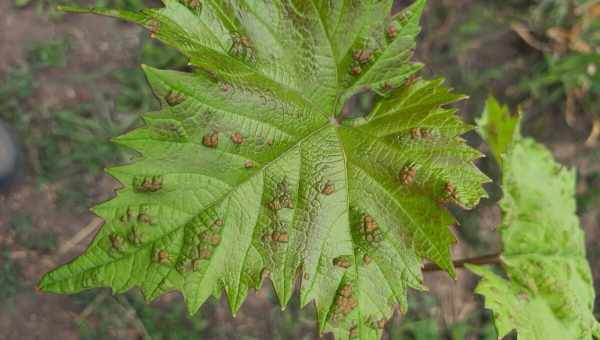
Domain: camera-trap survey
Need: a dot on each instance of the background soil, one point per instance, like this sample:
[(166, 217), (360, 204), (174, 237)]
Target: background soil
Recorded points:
[(70, 82)]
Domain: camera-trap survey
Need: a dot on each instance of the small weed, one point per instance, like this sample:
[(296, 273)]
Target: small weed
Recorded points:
[(47, 54)]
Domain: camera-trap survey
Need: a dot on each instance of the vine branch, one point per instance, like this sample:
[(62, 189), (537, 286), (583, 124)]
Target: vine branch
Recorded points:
[(479, 260)]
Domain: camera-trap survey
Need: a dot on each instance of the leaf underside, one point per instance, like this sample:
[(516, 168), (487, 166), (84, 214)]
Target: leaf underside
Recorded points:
[(549, 292), (247, 173)]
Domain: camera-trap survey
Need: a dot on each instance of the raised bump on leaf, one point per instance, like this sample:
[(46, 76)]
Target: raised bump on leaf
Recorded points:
[(226, 226)]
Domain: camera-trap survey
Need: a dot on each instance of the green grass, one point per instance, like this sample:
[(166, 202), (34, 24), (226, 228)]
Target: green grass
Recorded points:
[(26, 235), (49, 7), (9, 280)]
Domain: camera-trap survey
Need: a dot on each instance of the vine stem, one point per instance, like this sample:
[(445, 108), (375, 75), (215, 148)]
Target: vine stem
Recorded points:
[(479, 260)]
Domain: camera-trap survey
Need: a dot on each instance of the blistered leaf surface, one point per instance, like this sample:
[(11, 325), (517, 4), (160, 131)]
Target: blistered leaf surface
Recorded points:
[(248, 172)]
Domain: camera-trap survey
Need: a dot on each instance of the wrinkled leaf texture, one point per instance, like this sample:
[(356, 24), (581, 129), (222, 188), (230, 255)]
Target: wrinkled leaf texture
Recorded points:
[(249, 170)]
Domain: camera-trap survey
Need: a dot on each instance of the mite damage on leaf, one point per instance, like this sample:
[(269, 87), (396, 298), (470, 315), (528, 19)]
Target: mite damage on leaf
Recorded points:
[(450, 192), (211, 140), (370, 229), (135, 236), (204, 253), (173, 98), (117, 242), (362, 56), (408, 174), (342, 262), (420, 133), (161, 256), (344, 303), (328, 189), (279, 237), (290, 83), (153, 26), (241, 45), (194, 4), (147, 184), (237, 138), (144, 219), (391, 31)]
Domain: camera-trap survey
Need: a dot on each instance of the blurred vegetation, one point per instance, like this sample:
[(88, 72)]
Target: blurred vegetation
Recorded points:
[(48, 7)]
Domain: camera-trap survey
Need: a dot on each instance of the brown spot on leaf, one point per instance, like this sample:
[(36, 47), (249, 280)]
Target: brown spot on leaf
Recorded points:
[(356, 70), (286, 201), (342, 262), (144, 219), (245, 41), (153, 26), (215, 240), (346, 291), (415, 133), (117, 242), (450, 192), (162, 256), (237, 138), (173, 98), (391, 31), (408, 174), (219, 222), (280, 237), (369, 223), (135, 236), (211, 140), (194, 4), (366, 259), (147, 184), (248, 164), (328, 189), (204, 253), (362, 56)]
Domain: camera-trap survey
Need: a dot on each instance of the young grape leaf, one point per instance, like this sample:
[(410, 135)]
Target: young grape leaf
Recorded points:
[(498, 127), (249, 170), (549, 291)]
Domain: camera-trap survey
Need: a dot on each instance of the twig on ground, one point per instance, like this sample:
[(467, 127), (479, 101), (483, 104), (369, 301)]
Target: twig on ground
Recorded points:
[(82, 234)]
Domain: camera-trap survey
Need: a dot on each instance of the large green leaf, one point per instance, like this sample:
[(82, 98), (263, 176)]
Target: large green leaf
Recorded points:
[(549, 292), (249, 170)]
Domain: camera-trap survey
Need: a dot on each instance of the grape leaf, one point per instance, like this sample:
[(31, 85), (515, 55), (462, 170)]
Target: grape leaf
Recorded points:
[(549, 292), (250, 171), (498, 127)]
